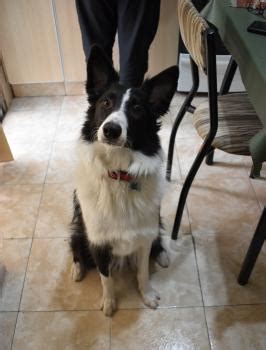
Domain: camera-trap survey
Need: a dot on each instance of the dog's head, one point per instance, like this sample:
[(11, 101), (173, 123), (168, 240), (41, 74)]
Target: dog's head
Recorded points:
[(124, 117)]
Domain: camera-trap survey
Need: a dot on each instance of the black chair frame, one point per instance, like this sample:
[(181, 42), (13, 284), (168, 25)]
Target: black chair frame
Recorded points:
[(206, 149), (253, 250)]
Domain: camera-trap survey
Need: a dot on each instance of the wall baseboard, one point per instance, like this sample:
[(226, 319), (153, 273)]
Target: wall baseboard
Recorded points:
[(39, 89), (75, 87), (49, 89)]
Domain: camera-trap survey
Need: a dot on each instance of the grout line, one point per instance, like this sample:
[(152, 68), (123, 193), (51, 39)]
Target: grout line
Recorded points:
[(26, 269), (110, 333), (161, 308), (202, 298), (58, 41), (34, 229), (255, 193), (119, 309), (234, 305)]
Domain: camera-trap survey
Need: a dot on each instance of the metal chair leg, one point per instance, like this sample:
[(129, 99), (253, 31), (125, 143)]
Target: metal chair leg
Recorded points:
[(171, 146), (187, 184), (228, 77), (205, 148), (186, 106), (255, 170), (253, 250), (209, 157)]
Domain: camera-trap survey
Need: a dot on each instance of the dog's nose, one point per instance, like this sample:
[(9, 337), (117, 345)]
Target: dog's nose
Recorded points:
[(112, 130)]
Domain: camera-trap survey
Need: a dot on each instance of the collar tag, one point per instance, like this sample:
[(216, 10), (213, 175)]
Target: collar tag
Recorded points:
[(135, 186)]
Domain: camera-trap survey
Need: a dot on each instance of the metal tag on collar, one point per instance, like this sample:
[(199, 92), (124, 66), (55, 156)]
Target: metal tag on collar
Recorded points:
[(134, 185)]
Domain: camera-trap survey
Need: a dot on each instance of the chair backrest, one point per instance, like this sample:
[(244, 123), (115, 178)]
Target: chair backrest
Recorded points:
[(192, 29)]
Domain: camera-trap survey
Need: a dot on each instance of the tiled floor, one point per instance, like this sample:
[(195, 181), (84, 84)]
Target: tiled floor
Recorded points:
[(202, 306)]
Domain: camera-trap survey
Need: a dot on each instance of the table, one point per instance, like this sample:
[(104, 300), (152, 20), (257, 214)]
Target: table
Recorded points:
[(249, 51)]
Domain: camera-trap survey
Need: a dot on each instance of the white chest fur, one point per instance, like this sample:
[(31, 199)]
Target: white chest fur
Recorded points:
[(113, 212)]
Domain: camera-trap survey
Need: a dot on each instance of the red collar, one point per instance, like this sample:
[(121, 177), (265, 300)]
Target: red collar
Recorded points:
[(120, 175)]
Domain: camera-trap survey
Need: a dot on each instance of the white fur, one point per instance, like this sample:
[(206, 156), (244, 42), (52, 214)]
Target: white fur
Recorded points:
[(119, 118), (112, 211), (149, 295), (144, 165), (77, 272), (108, 301), (162, 259)]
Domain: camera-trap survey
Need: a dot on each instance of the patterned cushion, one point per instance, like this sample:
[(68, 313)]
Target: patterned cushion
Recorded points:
[(237, 124), (192, 26)]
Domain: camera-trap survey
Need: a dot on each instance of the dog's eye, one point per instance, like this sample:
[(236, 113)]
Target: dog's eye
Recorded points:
[(107, 103), (137, 108)]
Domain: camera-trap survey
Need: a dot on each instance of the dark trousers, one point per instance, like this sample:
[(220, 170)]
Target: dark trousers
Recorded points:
[(136, 22)]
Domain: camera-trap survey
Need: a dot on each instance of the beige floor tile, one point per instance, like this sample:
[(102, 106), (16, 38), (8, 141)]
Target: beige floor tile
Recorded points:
[(7, 327), (220, 258), (37, 103), (177, 285), (169, 206), (13, 261), (55, 211), (178, 99), (29, 165), (260, 191), (263, 171), (49, 285), (159, 329), (30, 126), (186, 129), (70, 123), (18, 210), (62, 330), (237, 328), (223, 206), (79, 102), (225, 165), (62, 163)]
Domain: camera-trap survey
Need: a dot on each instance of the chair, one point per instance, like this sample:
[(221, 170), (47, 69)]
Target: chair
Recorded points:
[(226, 122), (253, 250)]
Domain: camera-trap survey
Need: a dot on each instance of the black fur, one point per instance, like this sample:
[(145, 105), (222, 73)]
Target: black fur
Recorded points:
[(79, 243), (90, 256), (146, 105), (143, 110)]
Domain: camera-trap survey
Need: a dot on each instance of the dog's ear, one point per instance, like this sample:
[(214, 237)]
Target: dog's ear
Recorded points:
[(160, 90), (100, 73)]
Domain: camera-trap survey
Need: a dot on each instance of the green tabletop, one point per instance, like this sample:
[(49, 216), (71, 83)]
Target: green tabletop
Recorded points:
[(248, 49)]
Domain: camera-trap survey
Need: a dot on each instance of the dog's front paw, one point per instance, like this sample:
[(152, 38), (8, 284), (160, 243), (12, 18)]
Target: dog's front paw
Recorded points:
[(150, 298), (108, 306), (77, 272)]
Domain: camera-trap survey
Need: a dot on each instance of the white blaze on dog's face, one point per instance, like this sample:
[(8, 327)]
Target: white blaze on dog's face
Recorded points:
[(124, 117), (114, 129)]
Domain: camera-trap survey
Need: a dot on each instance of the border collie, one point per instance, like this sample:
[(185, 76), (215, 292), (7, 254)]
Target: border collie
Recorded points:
[(119, 180)]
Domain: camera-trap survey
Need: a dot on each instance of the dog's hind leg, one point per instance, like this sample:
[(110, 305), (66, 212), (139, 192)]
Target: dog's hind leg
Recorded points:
[(158, 253), (82, 259), (77, 244)]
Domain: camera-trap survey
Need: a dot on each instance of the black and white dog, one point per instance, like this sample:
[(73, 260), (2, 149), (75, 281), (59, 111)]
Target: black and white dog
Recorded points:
[(119, 179)]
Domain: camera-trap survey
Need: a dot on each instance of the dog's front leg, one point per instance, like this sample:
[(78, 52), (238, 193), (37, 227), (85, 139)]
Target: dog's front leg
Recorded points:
[(149, 295), (102, 257)]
